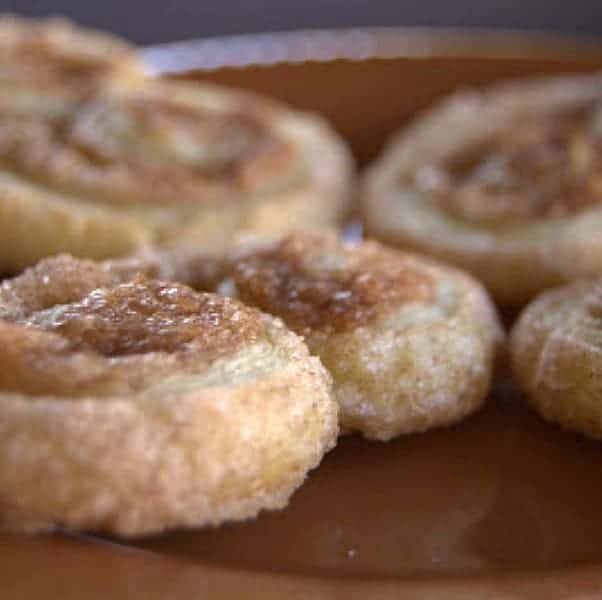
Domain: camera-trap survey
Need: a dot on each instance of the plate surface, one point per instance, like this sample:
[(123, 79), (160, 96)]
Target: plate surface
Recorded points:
[(500, 506)]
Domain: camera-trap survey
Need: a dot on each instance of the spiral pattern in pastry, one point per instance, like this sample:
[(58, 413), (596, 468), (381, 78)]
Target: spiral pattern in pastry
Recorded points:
[(165, 162), (132, 405), (504, 182), (410, 343)]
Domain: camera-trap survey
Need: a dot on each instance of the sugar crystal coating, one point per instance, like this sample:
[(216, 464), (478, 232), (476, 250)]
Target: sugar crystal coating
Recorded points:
[(315, 283), (91, 309)]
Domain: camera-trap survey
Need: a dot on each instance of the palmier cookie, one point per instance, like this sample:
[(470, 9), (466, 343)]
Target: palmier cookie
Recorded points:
[(135, 406), (506, 183), (48, 67), (556, 351), (409, 343), (164, 162)]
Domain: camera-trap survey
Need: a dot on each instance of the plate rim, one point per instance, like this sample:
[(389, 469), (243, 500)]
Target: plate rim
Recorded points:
[(242, 51)]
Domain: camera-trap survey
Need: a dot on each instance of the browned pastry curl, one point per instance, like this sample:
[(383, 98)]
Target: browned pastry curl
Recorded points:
[(556, 350), (410, 343), (160, 162), (133, 405), (316, 285), (505, 183)]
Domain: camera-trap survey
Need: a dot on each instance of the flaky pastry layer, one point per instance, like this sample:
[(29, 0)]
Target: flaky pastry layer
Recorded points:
[(503, 182), (131, 405), (410, 343), (556, 351), (163, 162)]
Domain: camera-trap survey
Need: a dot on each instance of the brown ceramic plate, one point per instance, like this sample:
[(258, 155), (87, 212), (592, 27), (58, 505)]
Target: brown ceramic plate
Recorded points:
[(501, 506)]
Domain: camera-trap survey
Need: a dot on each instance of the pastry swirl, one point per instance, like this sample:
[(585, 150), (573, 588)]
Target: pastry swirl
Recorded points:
[(48, 67), (162, 162), (505, 183), (130, 405), (556, 351), (410, 343)]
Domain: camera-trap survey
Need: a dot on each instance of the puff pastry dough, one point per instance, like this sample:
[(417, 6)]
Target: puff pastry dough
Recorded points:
[(556, 350), (131, 405), (410, 343), (164, 162), (505, 183)]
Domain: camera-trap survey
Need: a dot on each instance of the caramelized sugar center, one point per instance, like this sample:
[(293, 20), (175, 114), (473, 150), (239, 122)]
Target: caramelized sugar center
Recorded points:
[(318, 284), (543, 166), (150, 316)]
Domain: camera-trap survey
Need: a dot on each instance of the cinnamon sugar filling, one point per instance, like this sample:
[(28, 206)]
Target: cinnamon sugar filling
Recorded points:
[(314, 284), (138, 317), (542, 166), (149, 149)]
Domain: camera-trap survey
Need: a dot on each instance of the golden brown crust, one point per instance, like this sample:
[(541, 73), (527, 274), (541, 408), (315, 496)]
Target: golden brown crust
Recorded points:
[(502, 182), (556, 356), (153, 406), (410, 343), (60, 280), (158, 162)]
